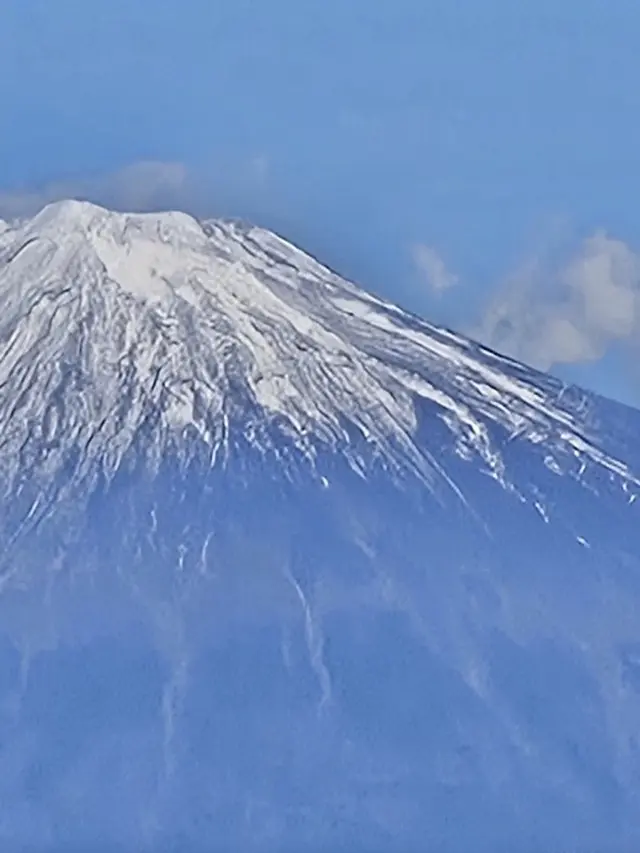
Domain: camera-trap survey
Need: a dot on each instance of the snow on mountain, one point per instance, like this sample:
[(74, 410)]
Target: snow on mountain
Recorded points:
[(284, 567), (193, 319)]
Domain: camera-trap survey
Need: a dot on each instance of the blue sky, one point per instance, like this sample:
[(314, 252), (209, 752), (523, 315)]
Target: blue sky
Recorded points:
[(475, 160)]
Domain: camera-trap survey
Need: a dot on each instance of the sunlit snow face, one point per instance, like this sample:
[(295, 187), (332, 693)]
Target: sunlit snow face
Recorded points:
[(193, 317)]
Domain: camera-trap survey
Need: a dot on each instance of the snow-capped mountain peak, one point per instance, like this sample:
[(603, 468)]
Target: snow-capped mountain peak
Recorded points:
[(284, 567), (201, 320)]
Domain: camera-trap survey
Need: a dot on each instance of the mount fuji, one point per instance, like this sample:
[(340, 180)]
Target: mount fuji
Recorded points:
[(285, 568)]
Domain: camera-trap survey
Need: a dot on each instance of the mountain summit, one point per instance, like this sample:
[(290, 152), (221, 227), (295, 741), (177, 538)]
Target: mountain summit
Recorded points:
[(283, 567)]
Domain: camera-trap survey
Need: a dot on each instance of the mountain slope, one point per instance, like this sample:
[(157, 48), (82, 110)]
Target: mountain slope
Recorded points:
[(283, 567)]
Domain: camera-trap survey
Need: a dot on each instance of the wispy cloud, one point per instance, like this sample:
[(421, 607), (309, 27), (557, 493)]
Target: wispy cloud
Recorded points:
[(432, 269), (570, 310), (141, 186)]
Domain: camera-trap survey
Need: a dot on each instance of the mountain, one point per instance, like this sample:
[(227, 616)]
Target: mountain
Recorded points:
[(285, 568)]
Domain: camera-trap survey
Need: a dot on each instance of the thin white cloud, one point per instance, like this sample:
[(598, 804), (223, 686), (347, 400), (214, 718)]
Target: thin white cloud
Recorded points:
[(259, 168), (139, 186), (571, 311), (142, 186), (431, 268)]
